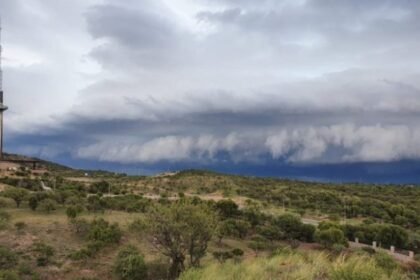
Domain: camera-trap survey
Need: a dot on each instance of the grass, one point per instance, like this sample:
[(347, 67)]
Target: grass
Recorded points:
[(296, 266)]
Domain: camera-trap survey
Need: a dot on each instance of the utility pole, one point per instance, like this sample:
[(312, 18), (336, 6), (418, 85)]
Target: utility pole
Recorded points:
[(2, 106)]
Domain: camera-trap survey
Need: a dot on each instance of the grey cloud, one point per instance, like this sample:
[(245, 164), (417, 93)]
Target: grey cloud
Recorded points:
[(349, 143), (300, 81)]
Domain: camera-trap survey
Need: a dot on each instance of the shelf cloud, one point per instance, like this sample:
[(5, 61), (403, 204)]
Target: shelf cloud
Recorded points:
[(301, 82)]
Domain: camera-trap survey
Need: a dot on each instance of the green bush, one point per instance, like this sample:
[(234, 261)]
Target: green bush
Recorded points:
[(8, 275), (4, 219), (386, 262), (330, 237), (8, 259), (130, 265), (43, 253), (20, 225), (100, 230), (48, 205)]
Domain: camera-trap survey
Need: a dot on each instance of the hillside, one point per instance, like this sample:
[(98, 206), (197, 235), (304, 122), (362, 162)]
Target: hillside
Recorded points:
[(77, 224)]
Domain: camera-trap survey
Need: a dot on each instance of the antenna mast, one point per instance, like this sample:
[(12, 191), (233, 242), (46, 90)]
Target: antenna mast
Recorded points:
[(2, 106)]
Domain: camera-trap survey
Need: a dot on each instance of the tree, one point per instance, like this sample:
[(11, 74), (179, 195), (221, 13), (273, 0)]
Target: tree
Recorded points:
[(130, 265), (33, 202), (100, 187), (227, 208), (17, 194), (180, 230)]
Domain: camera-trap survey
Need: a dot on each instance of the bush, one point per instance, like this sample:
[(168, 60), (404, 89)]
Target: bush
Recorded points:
[(33, 202), (48, 205), (222, 256), (43, 253), (72, 212), (8, 259), (4, 219), (130, 265), (8, 275), (20, 226), (330, 237), (80, 226), (101, 230), (386, 262)]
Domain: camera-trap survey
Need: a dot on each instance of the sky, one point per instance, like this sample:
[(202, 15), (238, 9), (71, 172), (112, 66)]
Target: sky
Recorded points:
[(312, 89)]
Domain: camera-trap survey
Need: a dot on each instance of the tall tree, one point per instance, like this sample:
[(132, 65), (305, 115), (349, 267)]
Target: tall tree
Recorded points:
[(182, 230)]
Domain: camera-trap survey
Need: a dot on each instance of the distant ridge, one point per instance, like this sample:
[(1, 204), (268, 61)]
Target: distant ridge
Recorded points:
[(43, 163)]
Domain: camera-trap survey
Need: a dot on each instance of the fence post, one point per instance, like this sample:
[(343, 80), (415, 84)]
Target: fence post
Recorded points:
[(411, 255), (392, 249), (374, 244), (356, 240)]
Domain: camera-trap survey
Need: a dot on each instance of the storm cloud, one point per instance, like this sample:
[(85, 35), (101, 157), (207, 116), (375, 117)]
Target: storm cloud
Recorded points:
[(298, 82)]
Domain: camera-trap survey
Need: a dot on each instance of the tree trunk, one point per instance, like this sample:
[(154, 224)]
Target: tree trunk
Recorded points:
[(177, 267)]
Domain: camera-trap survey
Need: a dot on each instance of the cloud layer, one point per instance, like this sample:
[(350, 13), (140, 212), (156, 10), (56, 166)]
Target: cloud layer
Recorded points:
[(301, 82)]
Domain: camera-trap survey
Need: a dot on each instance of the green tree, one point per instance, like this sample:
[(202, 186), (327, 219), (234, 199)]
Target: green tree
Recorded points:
[(180, 230), (17, 194), (130, 265), (227, 208), (33, 202)]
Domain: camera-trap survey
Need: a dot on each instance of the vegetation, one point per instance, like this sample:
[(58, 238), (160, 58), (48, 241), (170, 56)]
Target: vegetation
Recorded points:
[(202, 225), (130, 265), (293, 266)]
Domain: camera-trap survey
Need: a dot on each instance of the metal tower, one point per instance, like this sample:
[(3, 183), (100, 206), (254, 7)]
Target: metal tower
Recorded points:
[(2, 106)]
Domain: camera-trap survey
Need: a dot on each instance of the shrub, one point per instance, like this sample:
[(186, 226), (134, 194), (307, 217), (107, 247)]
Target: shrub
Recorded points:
[(130, 265), (80, 226), (4, 219), (43, 253), (33, 202), (8, 259), (72, 212), (330, 237), (222, 256), (8, 275), (20, 226), (101, 230), (48, 205), (386, 262)]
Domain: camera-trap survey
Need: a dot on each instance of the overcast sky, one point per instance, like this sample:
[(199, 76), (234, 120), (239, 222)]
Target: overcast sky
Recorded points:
[(146, 82)]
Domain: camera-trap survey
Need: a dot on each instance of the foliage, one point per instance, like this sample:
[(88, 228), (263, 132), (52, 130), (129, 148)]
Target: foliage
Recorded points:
[(73, 211), (130, 265), (4, 219), (295, 266), (182, 229), (17, 194), (20, 225), (330, 237), (33, 202), (48, 205), (227, 208), (102, 231), (8, 275), (8, 259), (43, 253)]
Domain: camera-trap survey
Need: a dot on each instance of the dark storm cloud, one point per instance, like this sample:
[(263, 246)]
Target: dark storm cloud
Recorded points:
[(240, 81)]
